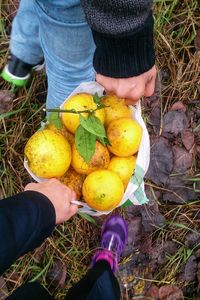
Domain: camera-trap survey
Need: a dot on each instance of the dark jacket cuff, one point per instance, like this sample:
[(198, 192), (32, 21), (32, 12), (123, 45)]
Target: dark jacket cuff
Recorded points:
[(127, 55)]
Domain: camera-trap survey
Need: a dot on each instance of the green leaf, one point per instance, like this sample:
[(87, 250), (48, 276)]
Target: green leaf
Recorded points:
[(88, 218), (96, 99), (85, 143), (93, 125), (103, 140), (54, 118)]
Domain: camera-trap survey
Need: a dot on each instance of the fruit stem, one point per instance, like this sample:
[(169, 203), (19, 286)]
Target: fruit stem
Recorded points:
[(72, 111)]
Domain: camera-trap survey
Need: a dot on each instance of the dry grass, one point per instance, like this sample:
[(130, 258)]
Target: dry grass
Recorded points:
[(176, 23)]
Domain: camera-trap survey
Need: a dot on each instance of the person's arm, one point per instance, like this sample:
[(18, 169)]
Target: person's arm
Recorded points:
[(26, 219), (123, 33)]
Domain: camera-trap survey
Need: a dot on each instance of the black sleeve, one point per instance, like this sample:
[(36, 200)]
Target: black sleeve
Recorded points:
[(123, 34), (127, 55), (26, 219)]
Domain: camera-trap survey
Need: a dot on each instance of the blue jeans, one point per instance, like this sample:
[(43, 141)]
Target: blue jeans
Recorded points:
[(57, 31)]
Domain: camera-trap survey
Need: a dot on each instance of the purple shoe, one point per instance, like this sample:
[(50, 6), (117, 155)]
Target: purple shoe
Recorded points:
[(113, 241)]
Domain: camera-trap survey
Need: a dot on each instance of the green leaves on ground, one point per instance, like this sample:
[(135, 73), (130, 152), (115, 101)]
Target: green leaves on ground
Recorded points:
[(54, 118), (87, 218), (85, 143)]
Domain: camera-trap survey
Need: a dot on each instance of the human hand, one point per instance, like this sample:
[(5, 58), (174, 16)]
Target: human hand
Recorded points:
[(131, 88), (59, 195)]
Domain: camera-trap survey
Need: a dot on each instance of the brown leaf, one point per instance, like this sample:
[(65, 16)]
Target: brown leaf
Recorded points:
[(134, 235), (175, 122), (153, 292), (6, 101), (182, 192), (56, 276), (169, 292), (187, 137), (190, 269), (155, 118), (161, 161), (182, 159), (178, 106), (38, 253), (151, 217), (198, 274), (160, 251), (192, 239), (197, 41)]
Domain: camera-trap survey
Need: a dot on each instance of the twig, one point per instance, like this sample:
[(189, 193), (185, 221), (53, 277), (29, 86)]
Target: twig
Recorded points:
[(72, 111)]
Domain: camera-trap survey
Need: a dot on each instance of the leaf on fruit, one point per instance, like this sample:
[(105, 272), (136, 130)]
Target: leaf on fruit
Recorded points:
[(85, 143), (96, 99), (93, 125), (103, 140), (54, 119)]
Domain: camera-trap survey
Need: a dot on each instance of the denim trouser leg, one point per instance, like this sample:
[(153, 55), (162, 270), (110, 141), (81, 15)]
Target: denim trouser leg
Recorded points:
[(25, 42), (67, 45)]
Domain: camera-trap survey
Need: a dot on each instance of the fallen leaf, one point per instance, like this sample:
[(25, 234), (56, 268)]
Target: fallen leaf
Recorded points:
[(56, 276), (190, 269), (180, 192), (175, 122), (38, 253), (160, 251), (6, 101), (198, 275), (178, 106), (153, 292), (197, 41), (187, 137), (197, 138), (182, 160), (169, 292), (161, 161), (151, 216), (134, 235), (155, 118), (192, 239)]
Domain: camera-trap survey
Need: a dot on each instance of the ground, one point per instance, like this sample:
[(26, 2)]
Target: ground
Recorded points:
[(162, 259)]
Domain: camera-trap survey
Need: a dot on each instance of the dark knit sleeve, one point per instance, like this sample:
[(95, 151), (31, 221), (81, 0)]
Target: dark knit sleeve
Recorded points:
[(123, 34), (26, 219)]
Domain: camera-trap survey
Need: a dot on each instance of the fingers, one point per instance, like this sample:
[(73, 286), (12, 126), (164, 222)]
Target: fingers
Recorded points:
[(132, 88), (72, 210)]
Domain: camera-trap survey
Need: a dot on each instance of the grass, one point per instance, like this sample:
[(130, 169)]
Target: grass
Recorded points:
[(176, 24)]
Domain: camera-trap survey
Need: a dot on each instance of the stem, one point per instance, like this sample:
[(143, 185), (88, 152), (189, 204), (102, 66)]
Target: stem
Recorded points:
[(72, 111)]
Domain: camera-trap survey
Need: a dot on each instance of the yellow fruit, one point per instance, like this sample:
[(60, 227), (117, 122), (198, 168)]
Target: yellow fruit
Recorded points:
[(116, 109), (123, 166), (68, 135), (124, 136), (48, 154), (100, 160), (74, 181), (79, 102), (103, 190)]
